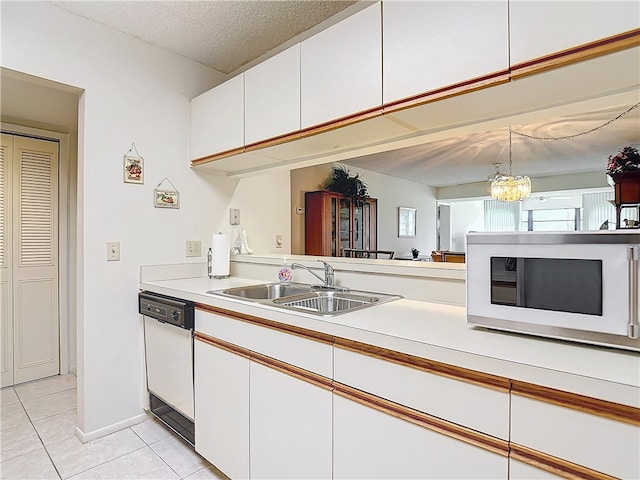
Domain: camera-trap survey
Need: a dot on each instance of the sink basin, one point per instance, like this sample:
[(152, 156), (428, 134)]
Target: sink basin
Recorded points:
[(268, 291), (327, 302), (317, 300)]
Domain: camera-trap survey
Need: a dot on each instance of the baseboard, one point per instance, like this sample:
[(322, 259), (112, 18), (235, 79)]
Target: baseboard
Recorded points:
[(109, 429)]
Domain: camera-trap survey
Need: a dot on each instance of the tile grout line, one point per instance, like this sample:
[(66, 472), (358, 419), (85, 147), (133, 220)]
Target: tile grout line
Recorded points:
[(46, 451), (156, 453)]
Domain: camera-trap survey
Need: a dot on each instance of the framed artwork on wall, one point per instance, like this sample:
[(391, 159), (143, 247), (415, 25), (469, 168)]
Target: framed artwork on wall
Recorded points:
[(406, 222), (133, 169)]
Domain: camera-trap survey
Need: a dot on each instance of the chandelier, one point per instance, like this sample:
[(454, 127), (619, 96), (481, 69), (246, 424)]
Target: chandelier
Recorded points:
[(508, 188)]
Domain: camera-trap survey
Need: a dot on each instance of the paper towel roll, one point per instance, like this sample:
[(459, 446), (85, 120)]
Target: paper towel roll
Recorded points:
[(220, 255)]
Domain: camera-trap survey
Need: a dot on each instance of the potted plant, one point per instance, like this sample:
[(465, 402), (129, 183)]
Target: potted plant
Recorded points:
[(624, 170), (351, 186), (415, 252), (625, 161)]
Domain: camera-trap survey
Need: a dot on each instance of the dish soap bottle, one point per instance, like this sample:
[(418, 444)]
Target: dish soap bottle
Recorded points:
[(284, 274)]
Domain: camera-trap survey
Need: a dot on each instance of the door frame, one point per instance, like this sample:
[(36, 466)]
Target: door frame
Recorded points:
[(64, 214)]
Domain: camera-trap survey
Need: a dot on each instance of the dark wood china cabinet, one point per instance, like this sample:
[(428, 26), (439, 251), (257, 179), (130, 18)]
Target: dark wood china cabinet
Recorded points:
[(334, 222)]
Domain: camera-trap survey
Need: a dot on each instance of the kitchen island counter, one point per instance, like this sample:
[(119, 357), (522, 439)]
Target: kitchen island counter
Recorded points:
[(435, 332)]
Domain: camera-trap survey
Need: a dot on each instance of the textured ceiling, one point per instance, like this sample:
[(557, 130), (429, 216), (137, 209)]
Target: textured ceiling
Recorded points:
[(222, 34), (474, 154)]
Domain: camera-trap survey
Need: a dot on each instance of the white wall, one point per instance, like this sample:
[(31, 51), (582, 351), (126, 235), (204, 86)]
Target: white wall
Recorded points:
[(392, 193), (264, 202), (465, 217), (132, 93)]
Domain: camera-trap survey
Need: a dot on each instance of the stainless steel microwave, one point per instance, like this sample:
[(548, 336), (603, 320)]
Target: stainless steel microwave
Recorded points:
[(575, 286)]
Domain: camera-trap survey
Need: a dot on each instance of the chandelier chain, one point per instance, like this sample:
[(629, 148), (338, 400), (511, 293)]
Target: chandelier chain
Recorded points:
[(567, 137), (510, 157)]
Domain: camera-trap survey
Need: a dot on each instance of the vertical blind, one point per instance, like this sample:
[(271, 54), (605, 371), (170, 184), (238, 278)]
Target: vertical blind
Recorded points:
[(596, 209), (501, 216)]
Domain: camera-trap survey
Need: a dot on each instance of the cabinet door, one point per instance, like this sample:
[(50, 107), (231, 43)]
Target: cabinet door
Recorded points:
[(341, 69), (566, 24), (272, 96), (217, 119), (290, 426), (222, 408), (599, 443), (432, 44), (370, 444), (522, 471)]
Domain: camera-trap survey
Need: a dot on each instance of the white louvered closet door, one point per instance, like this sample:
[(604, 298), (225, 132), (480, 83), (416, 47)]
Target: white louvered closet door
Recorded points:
[(6, 303), (36, 340)]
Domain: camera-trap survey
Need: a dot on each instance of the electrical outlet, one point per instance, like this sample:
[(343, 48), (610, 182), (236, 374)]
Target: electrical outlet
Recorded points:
[(113, 251), (194, 248), (234, 216), (278, 241)]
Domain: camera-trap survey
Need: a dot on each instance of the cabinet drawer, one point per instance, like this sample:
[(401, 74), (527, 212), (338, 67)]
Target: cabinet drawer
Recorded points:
[(477, 407), (301, 352), (599, 443)]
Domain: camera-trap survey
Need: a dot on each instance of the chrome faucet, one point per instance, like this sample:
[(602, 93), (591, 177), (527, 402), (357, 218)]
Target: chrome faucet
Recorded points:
[(329, 277)]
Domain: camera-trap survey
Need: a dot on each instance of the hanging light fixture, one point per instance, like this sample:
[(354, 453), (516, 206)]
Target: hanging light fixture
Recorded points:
[(508, 188)]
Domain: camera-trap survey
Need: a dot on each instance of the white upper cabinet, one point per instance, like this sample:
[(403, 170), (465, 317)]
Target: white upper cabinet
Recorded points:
[(428, 45), (341, 68), (272, 96), (217, 119), (540, 28)]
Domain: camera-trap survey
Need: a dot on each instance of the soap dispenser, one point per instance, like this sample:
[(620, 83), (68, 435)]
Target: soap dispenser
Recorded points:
[(284, 274)]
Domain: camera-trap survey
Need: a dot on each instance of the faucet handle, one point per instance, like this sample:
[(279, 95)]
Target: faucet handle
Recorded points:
[(328, 274)]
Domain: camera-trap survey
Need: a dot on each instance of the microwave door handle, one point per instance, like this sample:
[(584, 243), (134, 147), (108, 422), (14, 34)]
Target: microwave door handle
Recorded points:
[(633, 254)]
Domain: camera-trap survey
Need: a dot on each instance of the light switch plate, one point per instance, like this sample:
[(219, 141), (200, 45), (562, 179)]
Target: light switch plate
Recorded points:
[(278, 240), (113, 251)]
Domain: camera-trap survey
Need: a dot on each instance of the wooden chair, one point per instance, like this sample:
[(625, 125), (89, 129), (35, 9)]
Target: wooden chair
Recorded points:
[(455, 257)]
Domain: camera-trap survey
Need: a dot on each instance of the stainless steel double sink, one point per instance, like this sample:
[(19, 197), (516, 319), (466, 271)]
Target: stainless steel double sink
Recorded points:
[(317, 300)]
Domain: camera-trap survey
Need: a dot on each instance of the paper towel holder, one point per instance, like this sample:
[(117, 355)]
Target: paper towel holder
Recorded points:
[(209, 266)]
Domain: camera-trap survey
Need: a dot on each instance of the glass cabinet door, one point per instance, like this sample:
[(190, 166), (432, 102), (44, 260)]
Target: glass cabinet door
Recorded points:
[(334, 228), (345, 224)]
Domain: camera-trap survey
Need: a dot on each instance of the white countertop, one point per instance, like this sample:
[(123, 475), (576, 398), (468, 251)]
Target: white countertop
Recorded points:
[(440, 332)]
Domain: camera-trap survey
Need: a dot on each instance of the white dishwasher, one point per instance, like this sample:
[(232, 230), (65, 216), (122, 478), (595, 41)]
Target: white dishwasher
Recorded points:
[(168, 344)]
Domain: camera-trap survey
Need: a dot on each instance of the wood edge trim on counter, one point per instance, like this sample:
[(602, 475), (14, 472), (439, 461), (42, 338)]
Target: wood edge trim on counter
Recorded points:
[(286, 368), (282, 327), (579, 53), (554, 465), (467, 435), (217, 156), (487, 380), (453, 90), (574, 401)]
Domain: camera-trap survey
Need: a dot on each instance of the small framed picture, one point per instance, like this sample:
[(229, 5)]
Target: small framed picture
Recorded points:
[(406, 222), (133, 169), (166, 198)]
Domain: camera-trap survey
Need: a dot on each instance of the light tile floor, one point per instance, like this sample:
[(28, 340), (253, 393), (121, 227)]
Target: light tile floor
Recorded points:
[(37, 440)]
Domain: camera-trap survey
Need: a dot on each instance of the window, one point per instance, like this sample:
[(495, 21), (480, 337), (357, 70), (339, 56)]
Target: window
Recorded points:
[(559, 219)]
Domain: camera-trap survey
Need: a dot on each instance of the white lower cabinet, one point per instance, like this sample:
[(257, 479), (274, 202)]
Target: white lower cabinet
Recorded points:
[(222, 408), (593, 441), (290, 427), (371, 444), (522, 471)]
